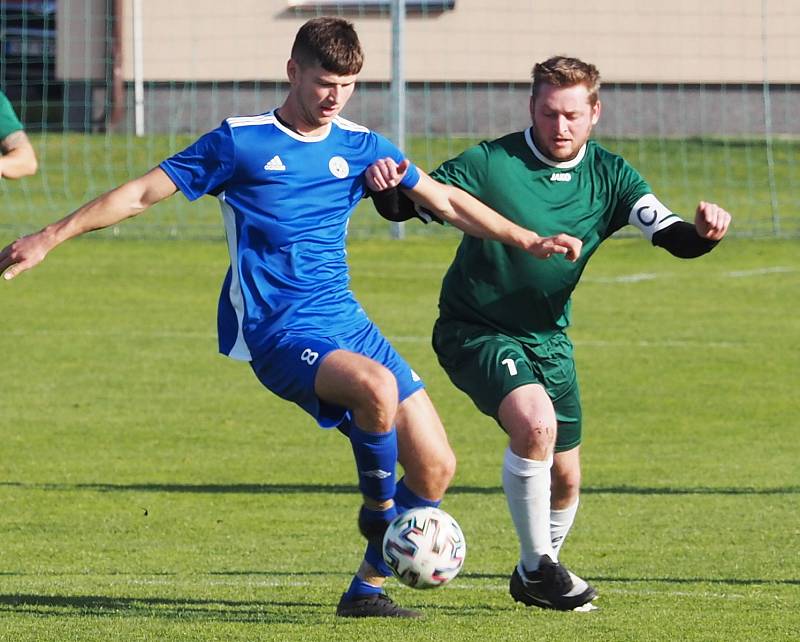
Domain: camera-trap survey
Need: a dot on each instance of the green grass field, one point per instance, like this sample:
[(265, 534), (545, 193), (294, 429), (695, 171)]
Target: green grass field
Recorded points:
[(151, 490)]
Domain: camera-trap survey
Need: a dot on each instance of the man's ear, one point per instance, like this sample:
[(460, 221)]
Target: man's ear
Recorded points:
[(596, 109)]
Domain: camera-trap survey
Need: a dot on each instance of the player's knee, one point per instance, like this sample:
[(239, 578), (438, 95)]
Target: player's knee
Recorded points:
[(377, 405), (533, 437), (529, 419)]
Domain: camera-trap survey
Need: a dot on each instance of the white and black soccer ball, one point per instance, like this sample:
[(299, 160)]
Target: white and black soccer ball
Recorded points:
[(424, 547)]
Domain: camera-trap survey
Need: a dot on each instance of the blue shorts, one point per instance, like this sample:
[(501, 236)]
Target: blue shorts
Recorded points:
[(288, 367)]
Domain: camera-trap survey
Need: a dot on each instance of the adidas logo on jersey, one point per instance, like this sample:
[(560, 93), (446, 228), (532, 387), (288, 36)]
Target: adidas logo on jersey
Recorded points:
[(275, 164), (561, 177)]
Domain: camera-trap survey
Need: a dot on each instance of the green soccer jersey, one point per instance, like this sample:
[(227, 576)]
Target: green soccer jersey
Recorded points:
[(505, 288), (9, 123)]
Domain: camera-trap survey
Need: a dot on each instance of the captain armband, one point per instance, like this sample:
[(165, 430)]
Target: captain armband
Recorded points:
[(665, 229), (650, 215)]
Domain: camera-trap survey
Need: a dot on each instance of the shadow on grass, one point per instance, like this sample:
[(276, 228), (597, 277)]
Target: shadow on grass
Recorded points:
[(186, 609), (267, 611), (352, 489)]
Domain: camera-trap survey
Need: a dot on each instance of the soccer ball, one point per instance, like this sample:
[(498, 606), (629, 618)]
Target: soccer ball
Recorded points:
[(424, 547)]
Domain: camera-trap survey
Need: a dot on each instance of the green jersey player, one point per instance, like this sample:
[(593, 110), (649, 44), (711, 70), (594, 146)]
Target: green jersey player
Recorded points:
[(501, 332)]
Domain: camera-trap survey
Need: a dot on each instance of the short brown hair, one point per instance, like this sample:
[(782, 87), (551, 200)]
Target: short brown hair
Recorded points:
[(331, 43), (561, 71)]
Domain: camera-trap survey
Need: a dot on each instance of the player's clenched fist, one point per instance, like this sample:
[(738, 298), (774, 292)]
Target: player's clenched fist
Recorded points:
[(711, 221), (385, 173)]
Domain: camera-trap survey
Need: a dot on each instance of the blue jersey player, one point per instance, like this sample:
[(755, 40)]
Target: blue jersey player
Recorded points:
[(287, 182)]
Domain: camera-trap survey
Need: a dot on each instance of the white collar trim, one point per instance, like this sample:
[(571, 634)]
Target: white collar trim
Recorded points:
[(547, 161)]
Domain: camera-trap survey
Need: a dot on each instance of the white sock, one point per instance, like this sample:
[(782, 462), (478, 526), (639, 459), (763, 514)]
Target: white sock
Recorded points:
[(561, 521), (527, 486)]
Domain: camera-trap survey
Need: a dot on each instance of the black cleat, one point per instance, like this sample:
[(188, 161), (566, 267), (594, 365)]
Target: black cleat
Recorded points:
[(372, 529), (375, 605), (552, 586)]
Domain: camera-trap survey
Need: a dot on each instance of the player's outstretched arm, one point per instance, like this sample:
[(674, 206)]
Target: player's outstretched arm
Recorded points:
[(462, 210), (127, 200), (473, 217)]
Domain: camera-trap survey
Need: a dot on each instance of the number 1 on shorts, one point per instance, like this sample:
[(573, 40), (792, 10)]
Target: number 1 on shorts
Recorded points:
[(512, 367)]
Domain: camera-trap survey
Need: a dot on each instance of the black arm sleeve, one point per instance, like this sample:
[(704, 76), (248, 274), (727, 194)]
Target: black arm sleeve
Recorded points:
[(393, 205), (682, 240)]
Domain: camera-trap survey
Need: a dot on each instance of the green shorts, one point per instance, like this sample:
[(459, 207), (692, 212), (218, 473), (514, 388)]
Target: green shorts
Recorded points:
[(487, 366)]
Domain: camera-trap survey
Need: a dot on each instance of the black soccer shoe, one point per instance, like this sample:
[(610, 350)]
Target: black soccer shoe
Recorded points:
[(372, 529), (551, 586), (375, 605)]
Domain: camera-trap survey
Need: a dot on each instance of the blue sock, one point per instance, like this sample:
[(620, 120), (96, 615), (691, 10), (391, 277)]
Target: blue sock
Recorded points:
[(360, 588), (376, 461), (375, 558), (404, 499), (379, 515)]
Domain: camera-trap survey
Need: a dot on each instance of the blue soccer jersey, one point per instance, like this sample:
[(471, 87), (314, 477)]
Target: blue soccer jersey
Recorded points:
[(286, 201)]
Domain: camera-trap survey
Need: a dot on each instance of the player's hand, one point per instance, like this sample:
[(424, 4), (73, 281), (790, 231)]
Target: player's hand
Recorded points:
[(22, 254), (386, 173), (711, 221), (545, 246)]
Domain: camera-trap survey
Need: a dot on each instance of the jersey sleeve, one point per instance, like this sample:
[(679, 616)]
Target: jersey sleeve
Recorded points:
[(205, 166), (384, 148), (9, 123), (467, 171), (629, 188)]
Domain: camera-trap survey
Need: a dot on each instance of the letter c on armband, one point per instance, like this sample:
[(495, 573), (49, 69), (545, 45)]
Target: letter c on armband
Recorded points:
[(640, 214)]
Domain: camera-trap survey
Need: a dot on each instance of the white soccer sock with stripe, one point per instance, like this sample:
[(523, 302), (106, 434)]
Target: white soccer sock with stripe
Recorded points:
[(526, 483), (561, 521)]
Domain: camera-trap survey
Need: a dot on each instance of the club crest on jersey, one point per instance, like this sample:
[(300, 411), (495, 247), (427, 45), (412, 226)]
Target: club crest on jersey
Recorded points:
[(338, 166), (560, 177)]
